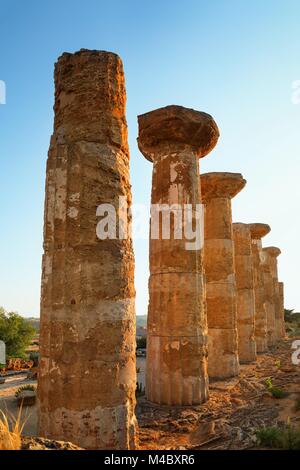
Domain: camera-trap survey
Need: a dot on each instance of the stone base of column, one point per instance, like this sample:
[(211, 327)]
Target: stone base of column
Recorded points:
[(261, 345), (222, 352), (107, 424), (175, 375), (223, 361), (176, 372), (281, 306), (270, 323), (247, 345), (261, 336), (246, 339)]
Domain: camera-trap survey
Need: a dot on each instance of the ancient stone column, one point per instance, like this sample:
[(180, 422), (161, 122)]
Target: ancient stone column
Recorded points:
[(87, 374), (258, 231), (270, 301), (221, 295), (281, 309), (173, 138), (273, 253), (245, 292)]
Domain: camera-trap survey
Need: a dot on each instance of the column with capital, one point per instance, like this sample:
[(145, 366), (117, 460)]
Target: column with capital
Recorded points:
[(258, 231), (221, 295), (273, 253), (173, 139), (245, 292)]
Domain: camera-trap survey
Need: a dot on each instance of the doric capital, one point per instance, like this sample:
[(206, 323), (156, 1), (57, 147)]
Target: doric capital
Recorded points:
[(273, 251), (174, 128), (215, 185), (259, 231)]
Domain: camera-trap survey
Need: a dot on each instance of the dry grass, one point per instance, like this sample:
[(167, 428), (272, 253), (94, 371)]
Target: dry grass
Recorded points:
[(10, 436)]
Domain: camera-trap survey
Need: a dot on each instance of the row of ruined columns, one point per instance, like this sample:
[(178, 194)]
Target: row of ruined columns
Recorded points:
[(212, 307)]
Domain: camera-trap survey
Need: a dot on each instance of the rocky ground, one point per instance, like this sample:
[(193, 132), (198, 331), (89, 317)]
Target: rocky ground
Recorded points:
[(229, 420), (235, 410), (38, 443)]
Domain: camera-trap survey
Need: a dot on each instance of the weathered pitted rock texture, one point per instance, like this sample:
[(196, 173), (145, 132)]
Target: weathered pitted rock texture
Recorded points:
[(87, 372), (258, 231), (281, 309), (173, 138), (221, 294), (245, 292), (273, 253), (270, 303)]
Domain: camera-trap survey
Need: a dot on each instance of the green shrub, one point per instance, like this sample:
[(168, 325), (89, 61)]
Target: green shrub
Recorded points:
[(16, 333), (276, 392), (287, 438), (25, 388)]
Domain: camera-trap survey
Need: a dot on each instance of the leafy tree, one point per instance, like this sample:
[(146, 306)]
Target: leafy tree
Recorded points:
[(16, 332), (290, 316)]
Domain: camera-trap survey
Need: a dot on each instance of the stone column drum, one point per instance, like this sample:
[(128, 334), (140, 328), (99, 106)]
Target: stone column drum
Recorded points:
[(269, 296), (173, 138), (273, 253), (221, 295), (87, 376), (245, 292), (258, 231), (281, 308)]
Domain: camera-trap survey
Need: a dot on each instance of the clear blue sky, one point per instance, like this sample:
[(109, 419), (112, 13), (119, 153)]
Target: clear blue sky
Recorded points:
[(235, 59)]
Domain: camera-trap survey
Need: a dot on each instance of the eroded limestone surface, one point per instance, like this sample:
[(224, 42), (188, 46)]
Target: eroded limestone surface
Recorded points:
[(87, 372), (173, 138), (258, 231), (270, 302), (221, 294), (273, 253), (245, 292)]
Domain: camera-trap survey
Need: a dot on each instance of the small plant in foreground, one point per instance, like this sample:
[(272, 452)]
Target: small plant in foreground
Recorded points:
[(25, 388), (10, 439), (287, 437), (276, 392), (278, 364)]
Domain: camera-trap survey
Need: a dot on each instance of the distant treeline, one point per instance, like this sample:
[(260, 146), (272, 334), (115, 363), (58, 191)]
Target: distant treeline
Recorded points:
[(35, 322)]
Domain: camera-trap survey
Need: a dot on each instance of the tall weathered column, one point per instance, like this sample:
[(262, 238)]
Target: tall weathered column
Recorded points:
[(87, 374), (281, 309), (173, 138), (221, 295), (273, 253), (269, 296), (258, 231), (245, 292)]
